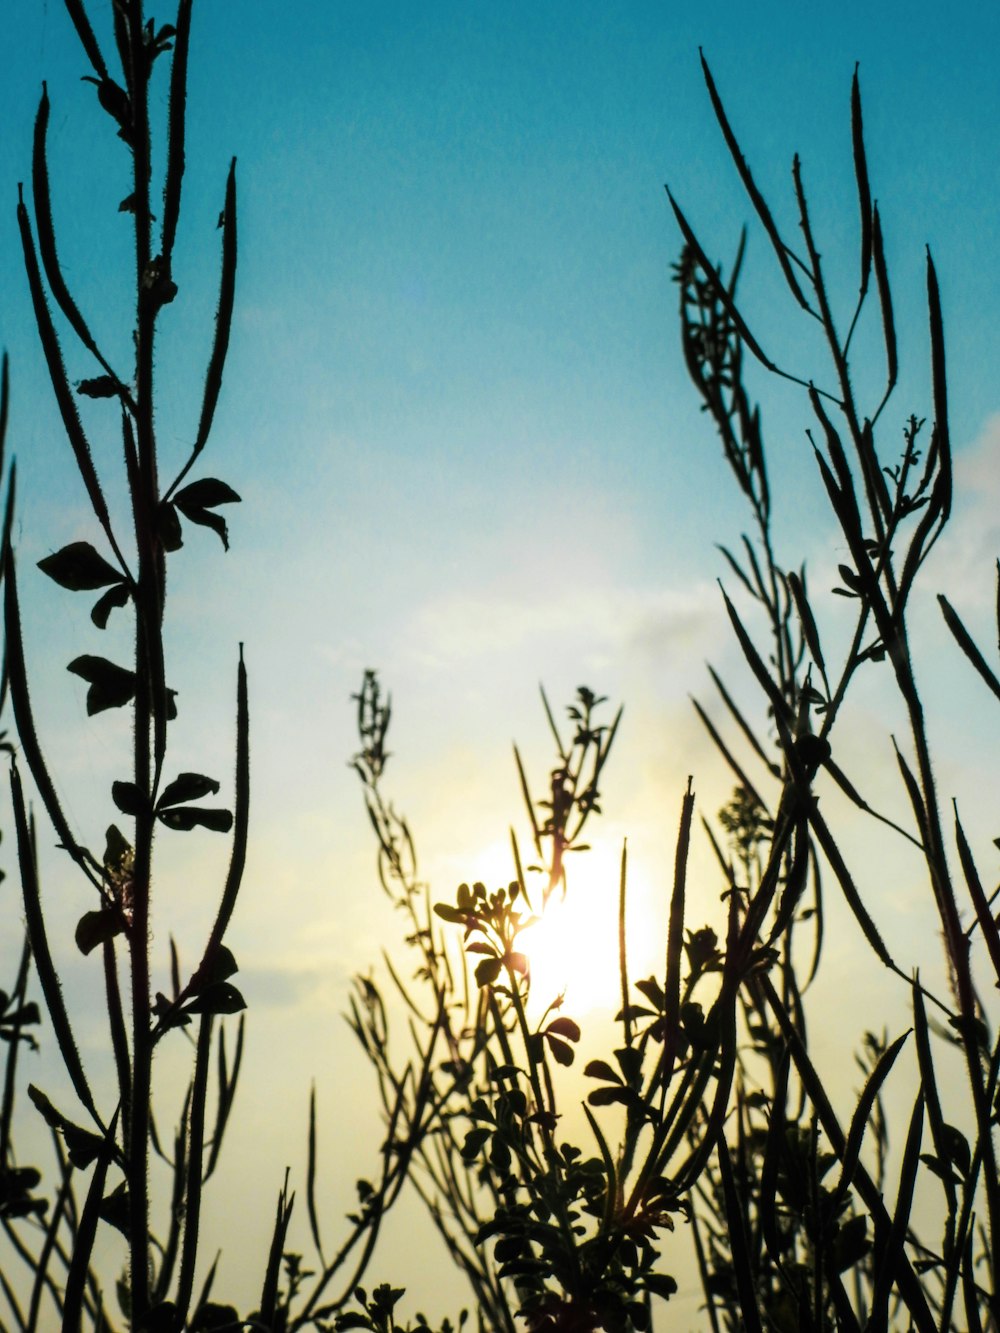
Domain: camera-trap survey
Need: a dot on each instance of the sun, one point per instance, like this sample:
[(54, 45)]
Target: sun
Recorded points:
[(572, 952), (572, 947)]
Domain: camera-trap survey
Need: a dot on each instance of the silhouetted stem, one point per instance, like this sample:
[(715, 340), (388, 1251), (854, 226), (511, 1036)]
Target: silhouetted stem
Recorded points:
[(148, 656)]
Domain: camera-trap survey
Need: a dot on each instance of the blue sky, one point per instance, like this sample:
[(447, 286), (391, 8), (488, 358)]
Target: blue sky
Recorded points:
[(456, 407)]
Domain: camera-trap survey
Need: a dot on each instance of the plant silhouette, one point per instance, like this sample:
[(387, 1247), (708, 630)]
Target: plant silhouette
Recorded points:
[(708, 1115)]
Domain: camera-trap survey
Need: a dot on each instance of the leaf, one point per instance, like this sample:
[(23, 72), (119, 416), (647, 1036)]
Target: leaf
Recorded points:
[(81, 1146), (850, 1244), (474, 1140), (197, 501), (850, 577), (211, 1316), (117, 848), (128, 798), (488, 971), (224, 964), (448, 913), (565, 1027), (606, 1096), (111, 686), (205, 494), (958, 1148), (23, 1016), (78, 566), (94, 928), (601, 1069), (169, 527), (660, 1284), (114, 1209), (653, 991), (102, 386), (187, 787), (117, 596), (186, 817), (220, 997), (563, 1053)]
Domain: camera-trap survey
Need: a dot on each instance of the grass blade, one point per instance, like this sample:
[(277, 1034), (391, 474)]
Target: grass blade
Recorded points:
[(726, 299), (47, 240), (905, 1278), (985, 917), (970, 1291), (781, 250), (44, 966), (967, 645), (223, 324), (738, 571), (839, 867), (852, 794), (175, 131), (117, 1031), (196, 1147), (675, 937), (552, 724), (738, 1246), (611, 1201), (939, 381), (86, 1233), (241, 824), (779, 703), (85, 33), (893, 1257), (932, 1101), (859, 1121), (885, 303), (60, 383), (774, 1150), (227, 1092), (4, 404), (30, 748), (743, 725), (861, 176), (726, 753), (622, 954), (269, 1292), (528, 802), (311, 1176)]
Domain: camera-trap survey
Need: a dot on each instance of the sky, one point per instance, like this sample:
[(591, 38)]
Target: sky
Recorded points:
[(456, 410)]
